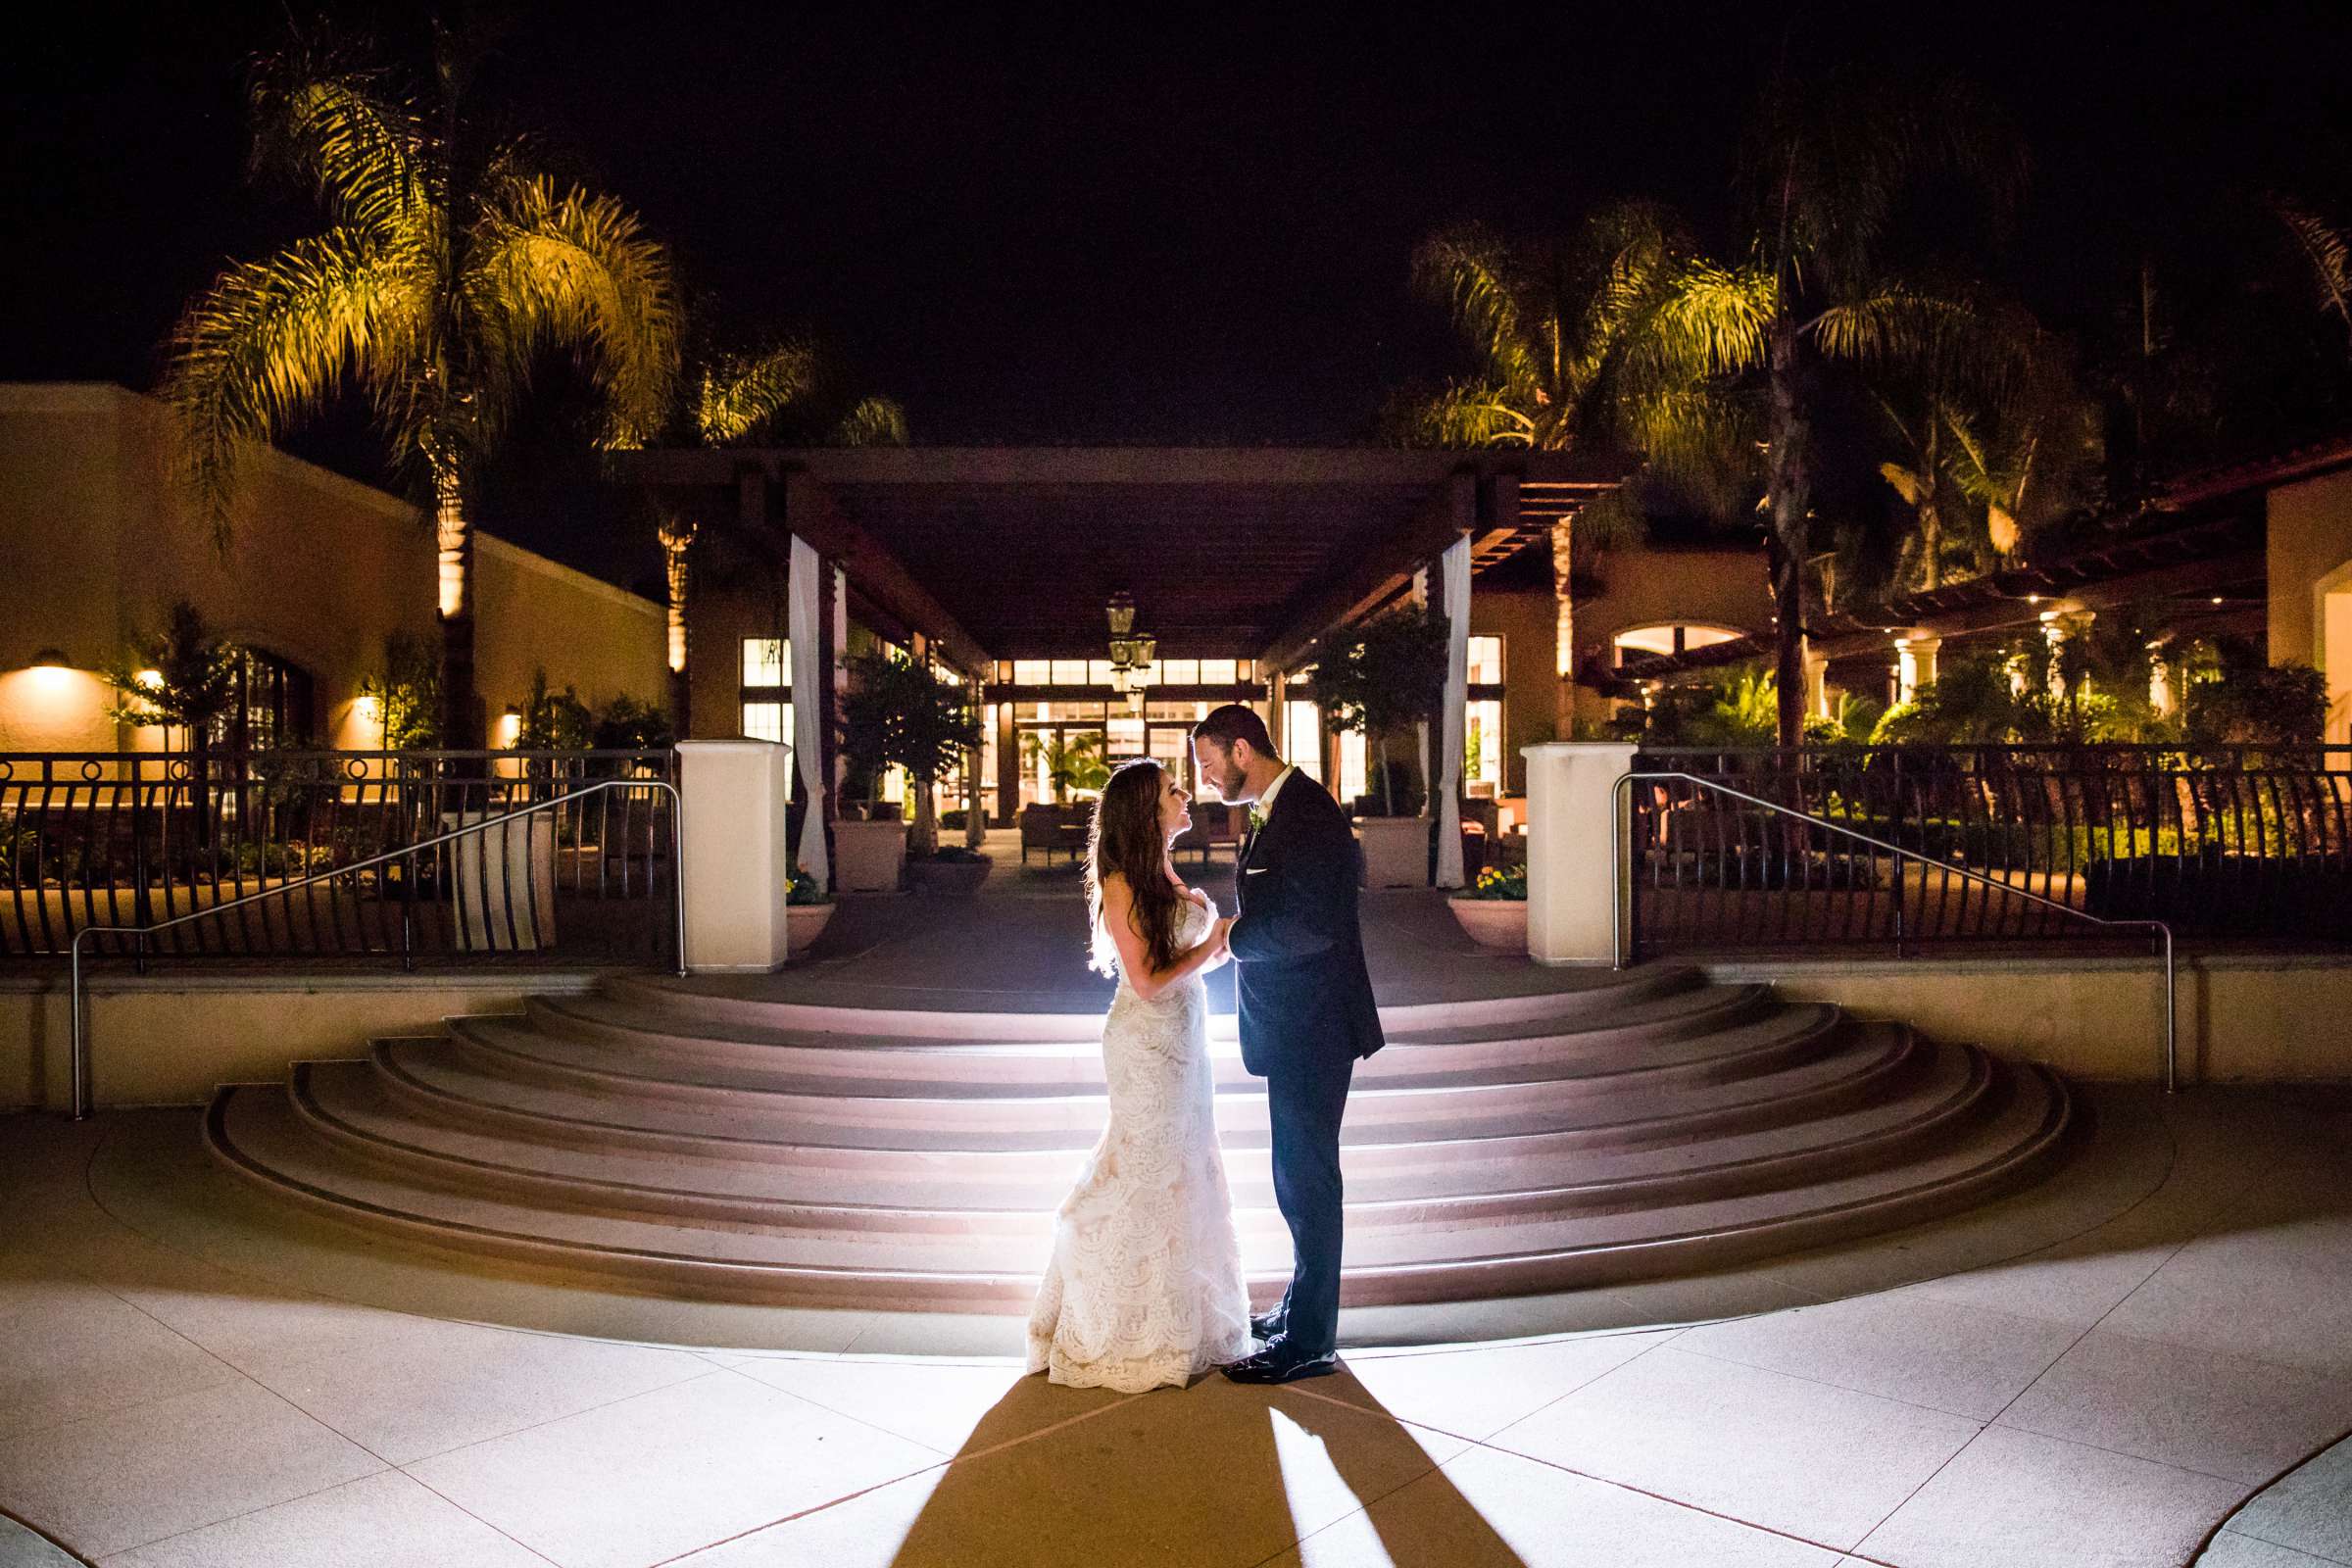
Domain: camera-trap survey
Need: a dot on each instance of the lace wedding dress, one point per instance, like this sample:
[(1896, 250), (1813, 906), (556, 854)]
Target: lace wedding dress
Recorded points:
[(1144, 1288)]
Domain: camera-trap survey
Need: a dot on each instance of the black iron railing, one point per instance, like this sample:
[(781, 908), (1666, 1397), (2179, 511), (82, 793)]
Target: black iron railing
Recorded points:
[(1972, 844), (1621, 955), (138, 841)]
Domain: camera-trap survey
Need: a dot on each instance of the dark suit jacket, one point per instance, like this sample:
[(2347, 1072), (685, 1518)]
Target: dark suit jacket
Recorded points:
[(1304, 994)]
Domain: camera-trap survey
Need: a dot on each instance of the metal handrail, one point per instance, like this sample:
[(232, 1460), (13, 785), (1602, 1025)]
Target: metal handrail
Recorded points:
[(1619, 888), (80, 1038)]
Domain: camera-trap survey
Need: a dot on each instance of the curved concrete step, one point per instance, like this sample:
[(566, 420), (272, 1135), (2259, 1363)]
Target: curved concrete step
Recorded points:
[(346, 1105), (1790, 1060), (733, 1054), (260, 1136), (1580, 994), (1638, 1124), (1735, 1041)]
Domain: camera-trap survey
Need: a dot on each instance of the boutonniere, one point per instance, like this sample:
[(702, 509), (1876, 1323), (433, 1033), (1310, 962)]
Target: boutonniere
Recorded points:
[(1257, 820)]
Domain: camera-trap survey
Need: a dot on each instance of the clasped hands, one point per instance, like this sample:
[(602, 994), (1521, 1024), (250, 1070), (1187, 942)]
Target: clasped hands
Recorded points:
[(1219, 938)]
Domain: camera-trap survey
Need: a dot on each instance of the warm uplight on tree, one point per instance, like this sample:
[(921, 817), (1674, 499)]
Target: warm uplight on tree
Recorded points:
[(450, 531), (152, 679)]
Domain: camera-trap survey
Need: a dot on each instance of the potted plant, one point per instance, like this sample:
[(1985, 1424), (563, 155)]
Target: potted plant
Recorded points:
[(898, 714), (1493, 911), (1382, 680), (808, 908)]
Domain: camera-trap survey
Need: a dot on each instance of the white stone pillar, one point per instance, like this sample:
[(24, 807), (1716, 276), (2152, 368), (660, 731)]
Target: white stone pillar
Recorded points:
[(1817, 683), (1915, 664), (737, 852), (1572, 889)]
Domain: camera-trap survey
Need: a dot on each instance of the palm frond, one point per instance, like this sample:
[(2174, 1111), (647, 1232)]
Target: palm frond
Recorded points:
[(1948, 339), (738, 394), (1704, 440), (1828, 164), (1462, 413), (575, 269), (872, 421), (272, 341), (362, 148), (1701, 321), (1471, 272), (2325, 248)]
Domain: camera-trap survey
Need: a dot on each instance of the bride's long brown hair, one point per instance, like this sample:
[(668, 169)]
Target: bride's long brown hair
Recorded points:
[(1127, 839)]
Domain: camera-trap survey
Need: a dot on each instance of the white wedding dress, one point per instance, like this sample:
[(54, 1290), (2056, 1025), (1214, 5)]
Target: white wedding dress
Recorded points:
[(1144, 1288)]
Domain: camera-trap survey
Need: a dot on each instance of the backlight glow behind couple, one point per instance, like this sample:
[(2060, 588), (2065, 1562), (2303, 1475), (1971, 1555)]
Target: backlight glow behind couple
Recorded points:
[(1144, 1288)]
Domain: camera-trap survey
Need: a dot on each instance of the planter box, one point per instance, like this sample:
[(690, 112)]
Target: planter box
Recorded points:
[(503, 882), (949, 878), (867, 857), (1498, 923), (1396, 850), (803, 923)]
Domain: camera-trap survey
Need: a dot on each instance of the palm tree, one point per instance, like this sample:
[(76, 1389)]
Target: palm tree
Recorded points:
[(1981, 472), (446, 270), (1707, 355), (1540, 319)]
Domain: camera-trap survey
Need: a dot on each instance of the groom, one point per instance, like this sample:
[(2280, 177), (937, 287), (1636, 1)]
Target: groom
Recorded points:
[(1307, 1014)]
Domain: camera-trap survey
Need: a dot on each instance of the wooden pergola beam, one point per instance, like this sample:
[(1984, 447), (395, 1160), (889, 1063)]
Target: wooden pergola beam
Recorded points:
[(1381, 569), (876, 574)]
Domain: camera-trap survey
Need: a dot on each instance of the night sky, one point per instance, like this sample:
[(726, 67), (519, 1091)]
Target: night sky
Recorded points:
[(1072, 224)]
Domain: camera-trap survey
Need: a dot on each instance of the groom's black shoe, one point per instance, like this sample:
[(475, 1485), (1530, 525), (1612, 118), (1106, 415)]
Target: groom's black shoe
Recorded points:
[(1267, 1327), (1282, 1363)]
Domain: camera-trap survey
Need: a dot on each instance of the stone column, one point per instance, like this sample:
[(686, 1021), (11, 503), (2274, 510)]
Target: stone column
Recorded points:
[(2059, 627), (1914, 662), (1817, 683), (1571, 893), (737, 852)]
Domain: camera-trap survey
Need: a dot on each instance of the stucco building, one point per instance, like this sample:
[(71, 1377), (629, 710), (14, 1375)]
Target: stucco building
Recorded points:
[(98, 540)]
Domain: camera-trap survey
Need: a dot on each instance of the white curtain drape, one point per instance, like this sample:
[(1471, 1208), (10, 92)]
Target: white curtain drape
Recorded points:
[(1455, 564), (1429, 778), (802, 583)]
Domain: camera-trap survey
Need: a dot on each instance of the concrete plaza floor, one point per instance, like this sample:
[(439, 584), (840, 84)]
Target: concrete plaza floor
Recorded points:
[(2134, 1362), (2109, 1398)]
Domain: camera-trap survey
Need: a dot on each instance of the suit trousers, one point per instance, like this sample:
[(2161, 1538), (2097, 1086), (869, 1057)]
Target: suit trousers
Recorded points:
[(1304, 1102)]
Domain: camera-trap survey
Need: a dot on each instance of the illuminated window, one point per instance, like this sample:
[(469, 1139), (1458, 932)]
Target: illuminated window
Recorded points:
[(1126, 737), (1303, 738), (766, 660), (1670, 639), (1069, 673), (767, 721), (1032, 672), (1182, 673), (1483, 745), (1219, 671), (1486, 661), (1098, 671), (1352, 765), (949, 677), (271, 700)]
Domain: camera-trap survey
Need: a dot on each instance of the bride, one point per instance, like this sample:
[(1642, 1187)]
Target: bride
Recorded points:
[(1144, 1288)]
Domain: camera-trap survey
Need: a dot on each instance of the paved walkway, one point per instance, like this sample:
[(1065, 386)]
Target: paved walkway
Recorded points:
[(1019, 945), (2109, 1400)]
